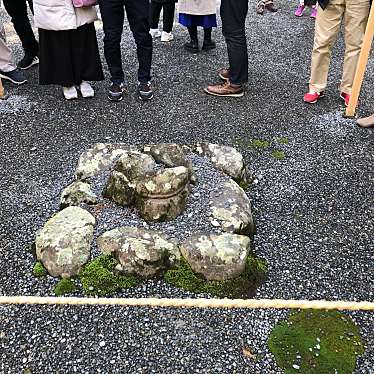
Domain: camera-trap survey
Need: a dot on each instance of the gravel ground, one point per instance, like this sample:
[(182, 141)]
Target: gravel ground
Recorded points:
[(314, 209)]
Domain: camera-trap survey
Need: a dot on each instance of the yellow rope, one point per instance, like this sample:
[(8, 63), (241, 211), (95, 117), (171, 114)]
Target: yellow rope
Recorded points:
[(191, 303)]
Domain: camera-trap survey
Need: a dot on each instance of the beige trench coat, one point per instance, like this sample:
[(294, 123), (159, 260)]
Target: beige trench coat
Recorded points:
[(197, 7)]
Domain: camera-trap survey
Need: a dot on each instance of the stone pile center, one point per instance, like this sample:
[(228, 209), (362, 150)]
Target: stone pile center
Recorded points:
[(126, 198)]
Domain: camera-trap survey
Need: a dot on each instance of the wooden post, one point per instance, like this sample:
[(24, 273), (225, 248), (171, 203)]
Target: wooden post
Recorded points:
[(361, 67)]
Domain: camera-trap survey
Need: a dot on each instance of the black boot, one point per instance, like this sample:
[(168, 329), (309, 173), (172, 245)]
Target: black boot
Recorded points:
[(193, 45), (208, 42)]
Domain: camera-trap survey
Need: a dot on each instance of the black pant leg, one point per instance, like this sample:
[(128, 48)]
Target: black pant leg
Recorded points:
[(112, 14), (137, 15), (17, 9), (169, 10), (233, 14), (154, 14)]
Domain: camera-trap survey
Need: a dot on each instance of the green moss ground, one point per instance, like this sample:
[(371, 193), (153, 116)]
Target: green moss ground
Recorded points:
[(98, 277), (279, 155), (244, 286), (39, 270), (64, 287), (296, 342)]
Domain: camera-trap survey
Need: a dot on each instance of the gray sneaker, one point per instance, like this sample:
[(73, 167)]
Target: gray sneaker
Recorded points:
[(15, 76), (145, 92)]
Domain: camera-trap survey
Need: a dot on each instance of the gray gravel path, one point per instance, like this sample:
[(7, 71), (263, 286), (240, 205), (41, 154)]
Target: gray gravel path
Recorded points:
[(314, 209)]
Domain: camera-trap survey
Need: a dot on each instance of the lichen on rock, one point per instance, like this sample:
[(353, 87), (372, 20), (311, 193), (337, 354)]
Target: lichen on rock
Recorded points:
[(142, 252), (76, 194), (63, 244)]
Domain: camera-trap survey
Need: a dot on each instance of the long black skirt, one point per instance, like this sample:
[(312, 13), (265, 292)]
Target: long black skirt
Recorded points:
[(69, 57)]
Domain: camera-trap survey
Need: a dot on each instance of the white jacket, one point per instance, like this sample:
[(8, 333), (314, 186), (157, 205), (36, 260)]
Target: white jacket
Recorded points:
[(197, 7), (60, 15)]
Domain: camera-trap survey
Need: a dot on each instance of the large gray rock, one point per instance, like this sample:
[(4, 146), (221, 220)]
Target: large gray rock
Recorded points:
[(130, 167), (100, 158), (171, 155), (163, 195), (231, 207), (119, 189), (216, 257), (146, 253), (227, 159), (135, 165), (77, 193), (63, 244)]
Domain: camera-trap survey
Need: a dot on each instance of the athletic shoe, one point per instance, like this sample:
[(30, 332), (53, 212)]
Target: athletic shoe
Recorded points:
[(345, 97), (155, 33), (313, 97), (145, 92), (313, 13), (299, 11), (224, 74), (86, 90), (28, 61), (167, 36), (116, 91), (271, 8), (225, 89), (70, 93), (15, 76)]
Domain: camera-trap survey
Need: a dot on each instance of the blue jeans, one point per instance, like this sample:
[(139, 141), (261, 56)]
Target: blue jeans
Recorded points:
[(113, 15)]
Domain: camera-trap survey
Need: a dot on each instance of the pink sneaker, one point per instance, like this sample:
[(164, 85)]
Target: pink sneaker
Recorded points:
[(313, 13), (299, 11)]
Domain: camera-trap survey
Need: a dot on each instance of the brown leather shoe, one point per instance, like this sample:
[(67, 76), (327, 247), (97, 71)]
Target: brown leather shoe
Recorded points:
[(366, 122), (225, 89), (224, 74)]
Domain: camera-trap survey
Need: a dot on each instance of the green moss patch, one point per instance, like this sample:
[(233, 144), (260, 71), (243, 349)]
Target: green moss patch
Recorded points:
[(98, 277), (64, 287), (39, 270), (244, 286), (283, 140), (279, 155), (316, 342)]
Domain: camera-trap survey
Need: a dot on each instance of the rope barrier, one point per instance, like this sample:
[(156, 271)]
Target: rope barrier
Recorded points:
[(191, 303)]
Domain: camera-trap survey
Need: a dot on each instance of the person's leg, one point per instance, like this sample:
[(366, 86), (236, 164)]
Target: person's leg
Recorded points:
[(233, 14), (137, 14), (6, 62), (326, 31), (208, 42), (154, 14), (17, 9), (193, 45), (355, 20), (112, 14), (168, 16)]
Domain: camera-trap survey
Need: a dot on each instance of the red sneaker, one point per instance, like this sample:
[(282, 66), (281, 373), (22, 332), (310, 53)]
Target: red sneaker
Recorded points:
[(346, 97), (313, 97)]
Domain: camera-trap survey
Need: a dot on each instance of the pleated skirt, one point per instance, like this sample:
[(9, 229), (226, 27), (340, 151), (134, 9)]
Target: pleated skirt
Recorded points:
[(69, 57)]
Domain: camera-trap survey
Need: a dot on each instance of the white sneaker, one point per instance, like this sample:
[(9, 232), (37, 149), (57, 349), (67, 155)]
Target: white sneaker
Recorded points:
[(155, 33), (167, 36), (86, 90), (70, 93)]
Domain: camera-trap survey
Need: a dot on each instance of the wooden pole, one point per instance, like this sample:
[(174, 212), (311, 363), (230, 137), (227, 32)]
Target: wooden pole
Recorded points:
[(361, 67)]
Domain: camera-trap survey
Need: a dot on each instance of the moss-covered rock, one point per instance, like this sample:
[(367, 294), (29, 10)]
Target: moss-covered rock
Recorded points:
[(64, 286), (98, 277), (39, 270), (243, 286), (316, 342)]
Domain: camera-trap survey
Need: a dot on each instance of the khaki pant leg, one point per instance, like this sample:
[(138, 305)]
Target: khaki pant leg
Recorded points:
[(326, 31), (355, 21), (5, 53)]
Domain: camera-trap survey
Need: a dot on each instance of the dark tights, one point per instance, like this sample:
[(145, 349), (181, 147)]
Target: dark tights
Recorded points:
[(192, 30)]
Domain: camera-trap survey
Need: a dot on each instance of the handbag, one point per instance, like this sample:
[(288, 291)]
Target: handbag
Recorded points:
[(84, 3)]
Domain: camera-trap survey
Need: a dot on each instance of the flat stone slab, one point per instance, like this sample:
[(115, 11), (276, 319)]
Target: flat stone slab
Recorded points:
[(227, 159), (63, 244), (100, 158), (231, 208), (216, 257), (146, 253)]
